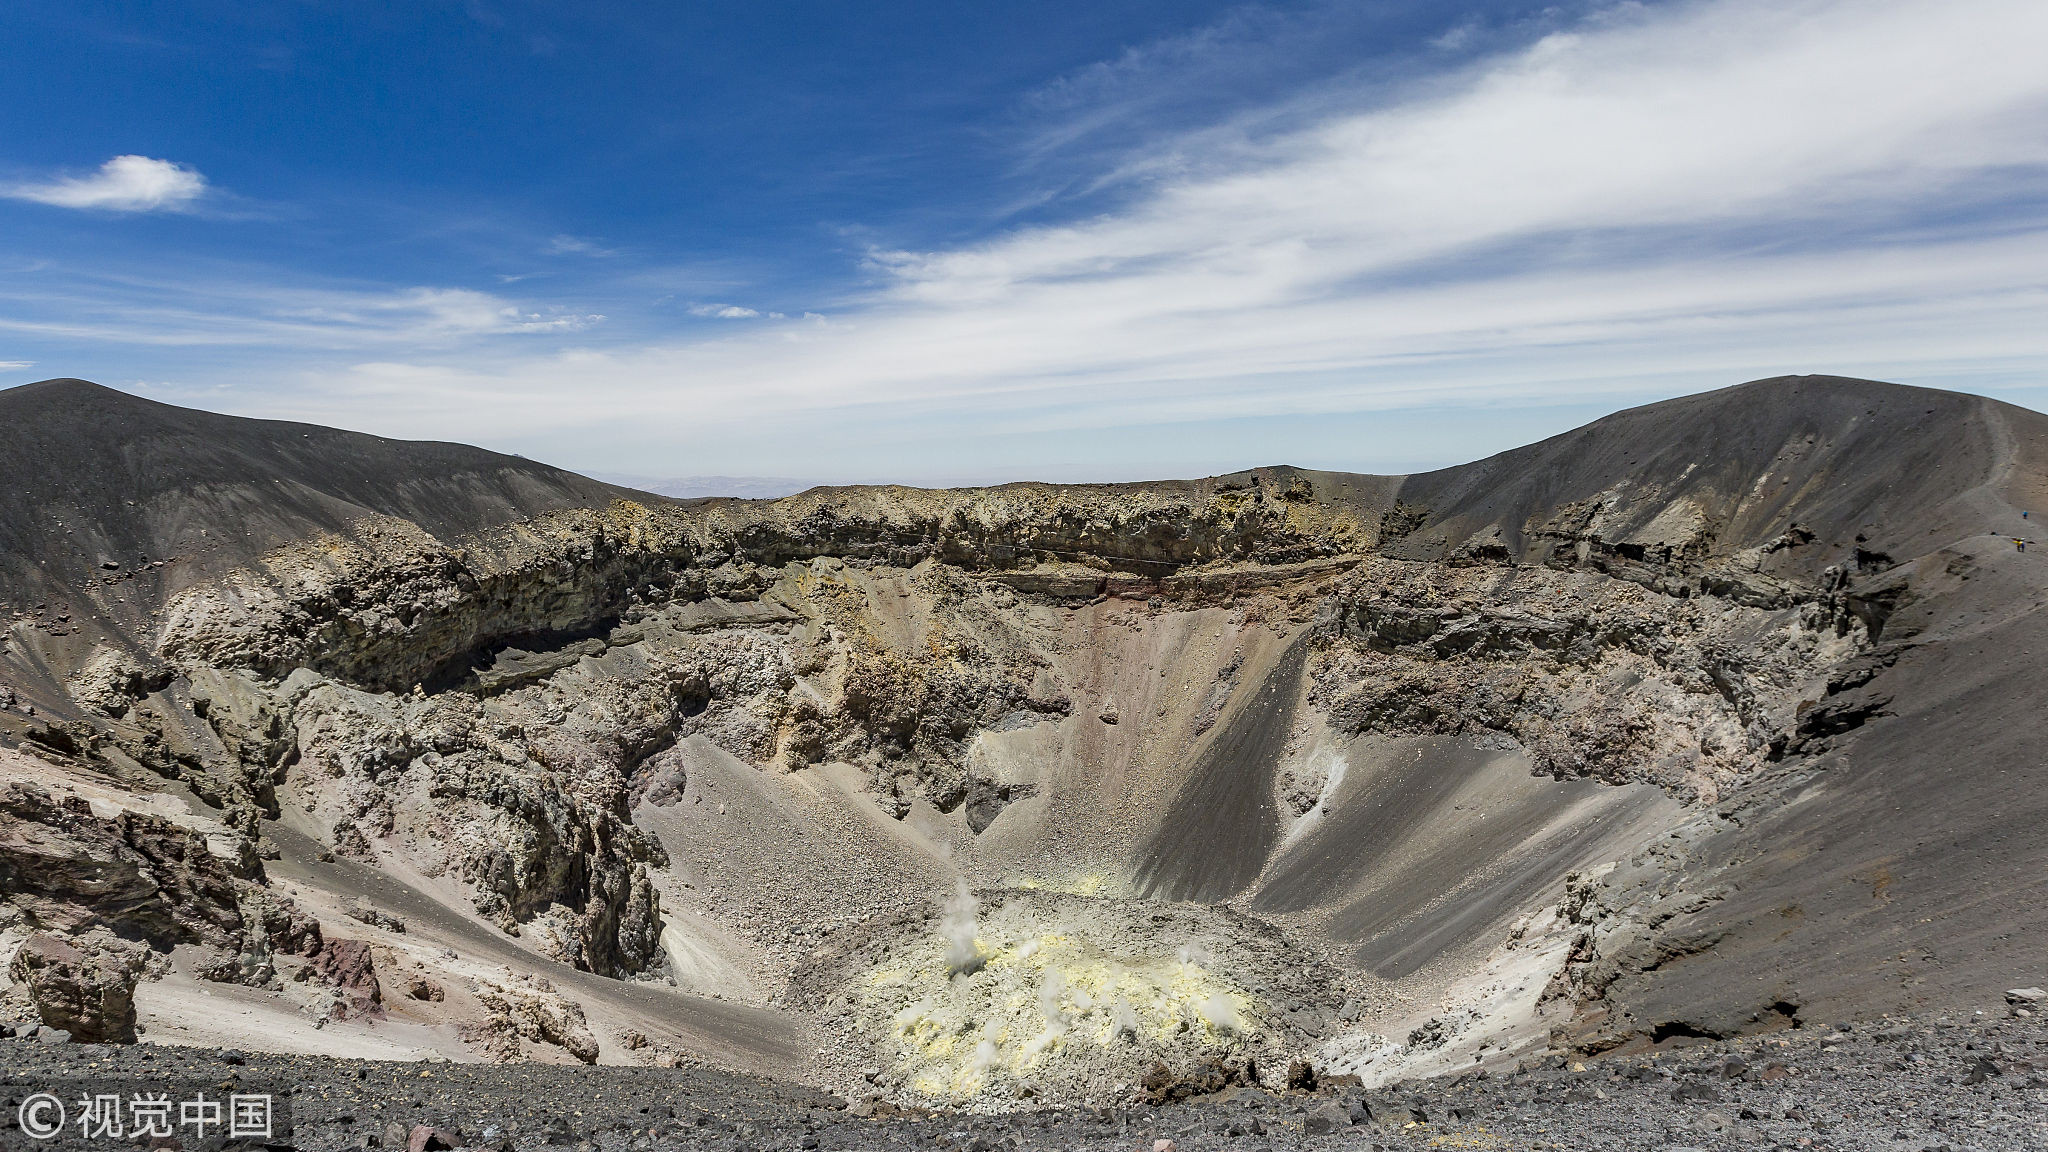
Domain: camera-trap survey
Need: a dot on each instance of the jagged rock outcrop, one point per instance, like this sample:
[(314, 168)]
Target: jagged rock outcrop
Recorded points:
[(82, 985), (114, 679), (1593, 676), (532, 1013), (348, 970), (143, 878), (530, 816)]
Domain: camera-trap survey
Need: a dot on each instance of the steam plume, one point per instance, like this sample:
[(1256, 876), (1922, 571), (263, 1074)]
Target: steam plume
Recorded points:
[(1218, 1013), (963, 955)]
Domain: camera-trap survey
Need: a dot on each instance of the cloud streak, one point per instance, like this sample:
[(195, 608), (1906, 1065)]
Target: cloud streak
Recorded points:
[(1731, 181), (1657, 200), (230, 313), (123, 184), (724, 311)]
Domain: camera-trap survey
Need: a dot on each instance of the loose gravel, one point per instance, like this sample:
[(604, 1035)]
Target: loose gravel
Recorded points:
[(1977, 1084)]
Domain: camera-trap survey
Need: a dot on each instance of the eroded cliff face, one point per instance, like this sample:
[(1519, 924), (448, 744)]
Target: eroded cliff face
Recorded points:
[(1592, 675), (488, 709), (487, 713), (390, 606)]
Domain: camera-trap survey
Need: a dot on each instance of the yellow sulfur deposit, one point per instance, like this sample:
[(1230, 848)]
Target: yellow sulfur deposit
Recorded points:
[(1056, 994)]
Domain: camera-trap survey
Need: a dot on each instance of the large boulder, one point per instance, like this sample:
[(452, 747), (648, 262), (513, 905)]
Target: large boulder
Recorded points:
[(350, 969), (85, 987)]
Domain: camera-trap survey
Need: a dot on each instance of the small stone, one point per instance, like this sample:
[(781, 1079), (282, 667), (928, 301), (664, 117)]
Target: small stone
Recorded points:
[(1696, 1094), (429, 1139), (2025, 996), (1162, 1146), (1325, 1120)]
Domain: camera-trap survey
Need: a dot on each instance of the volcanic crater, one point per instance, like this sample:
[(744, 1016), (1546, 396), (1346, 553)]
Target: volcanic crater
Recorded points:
[(1681, 725)]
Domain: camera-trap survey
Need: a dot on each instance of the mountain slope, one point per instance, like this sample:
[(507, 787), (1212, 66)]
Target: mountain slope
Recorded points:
[(98, 477), (1863, 465)]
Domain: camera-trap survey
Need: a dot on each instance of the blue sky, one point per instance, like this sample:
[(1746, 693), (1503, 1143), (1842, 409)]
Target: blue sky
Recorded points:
[(943, 242)]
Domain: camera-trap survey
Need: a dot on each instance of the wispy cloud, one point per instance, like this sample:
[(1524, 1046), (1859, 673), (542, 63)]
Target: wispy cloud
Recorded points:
[(16, 365), (723, 311), (734, 312), (1657, 199), (566, 245), (1740, 182), (227, 312), (123, 184)]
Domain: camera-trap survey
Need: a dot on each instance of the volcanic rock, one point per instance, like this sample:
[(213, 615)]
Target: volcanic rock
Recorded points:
[(83, 986)]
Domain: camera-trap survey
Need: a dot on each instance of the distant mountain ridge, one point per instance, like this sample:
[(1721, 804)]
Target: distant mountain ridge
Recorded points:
[(703, 487)]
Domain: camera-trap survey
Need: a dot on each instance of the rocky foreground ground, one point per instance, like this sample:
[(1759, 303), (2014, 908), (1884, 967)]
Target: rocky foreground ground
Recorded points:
[(1954, 1083)]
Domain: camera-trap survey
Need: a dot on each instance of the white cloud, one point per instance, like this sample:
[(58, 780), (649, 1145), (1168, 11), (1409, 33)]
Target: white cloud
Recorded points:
[(229, 313), (1731, 182), (16, 365), (1664, 199), (123, 184), (576, 246), (430, 312), (1734, 112), (1457, 37)]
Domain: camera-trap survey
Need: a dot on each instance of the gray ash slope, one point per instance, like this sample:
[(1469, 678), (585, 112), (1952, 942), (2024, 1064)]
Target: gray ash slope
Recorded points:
[(1714, 717), (129, 476), (1865, 467), (1894, 854)]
